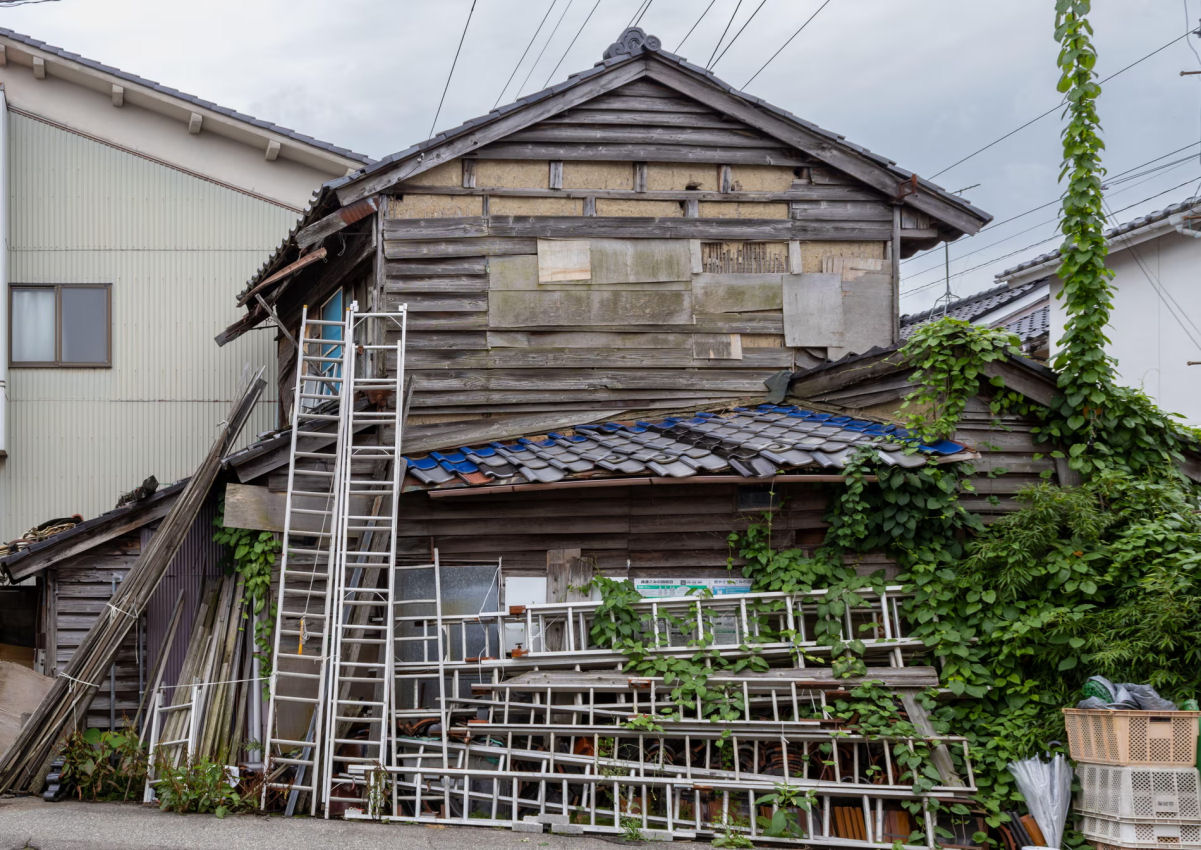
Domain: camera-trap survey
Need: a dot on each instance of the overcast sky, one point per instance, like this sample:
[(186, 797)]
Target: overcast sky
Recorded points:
[(924, 82)]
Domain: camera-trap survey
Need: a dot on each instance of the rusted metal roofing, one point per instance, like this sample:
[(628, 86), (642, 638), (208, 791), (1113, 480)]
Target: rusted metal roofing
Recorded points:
[(753, 443)]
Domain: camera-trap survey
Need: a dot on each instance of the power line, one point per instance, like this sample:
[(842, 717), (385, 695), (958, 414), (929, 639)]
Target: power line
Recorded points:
[(525, 52), (643, 7), (545, 45), (990, 262), (694, 26), (799, 30), (762, 3), (937, 266), (571, 44), (1117, 178), (723, 33), (1165, 297), (453, 63), (1054, 108)]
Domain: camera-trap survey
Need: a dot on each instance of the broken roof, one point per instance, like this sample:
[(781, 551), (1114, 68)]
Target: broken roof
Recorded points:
[(749, 442), (634, 56)]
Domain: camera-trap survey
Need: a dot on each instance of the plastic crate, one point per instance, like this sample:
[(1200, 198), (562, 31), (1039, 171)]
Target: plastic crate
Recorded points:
[(1149, 834), (1162, 793), (1164, 738)]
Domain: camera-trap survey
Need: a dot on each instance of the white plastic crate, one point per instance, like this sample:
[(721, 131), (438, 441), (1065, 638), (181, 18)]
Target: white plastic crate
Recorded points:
[(1160, 793), (1149, 834)]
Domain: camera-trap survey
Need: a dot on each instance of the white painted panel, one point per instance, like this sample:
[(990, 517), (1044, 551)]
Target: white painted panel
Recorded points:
[(176, 249)]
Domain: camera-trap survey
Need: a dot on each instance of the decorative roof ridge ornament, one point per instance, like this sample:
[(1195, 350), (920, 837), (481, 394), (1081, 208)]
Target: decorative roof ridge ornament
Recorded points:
[(632, 42)]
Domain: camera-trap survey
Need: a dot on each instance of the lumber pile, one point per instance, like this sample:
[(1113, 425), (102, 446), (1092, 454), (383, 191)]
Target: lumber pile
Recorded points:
[(22, 766)]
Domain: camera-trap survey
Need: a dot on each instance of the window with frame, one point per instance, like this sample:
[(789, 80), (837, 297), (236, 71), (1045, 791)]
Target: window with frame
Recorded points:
[(63, 324)]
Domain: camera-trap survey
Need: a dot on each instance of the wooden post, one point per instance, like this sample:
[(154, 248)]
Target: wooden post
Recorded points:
[(566, 574)]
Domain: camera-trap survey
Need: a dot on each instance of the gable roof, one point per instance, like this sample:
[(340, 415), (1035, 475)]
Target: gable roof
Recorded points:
[(111, 74), (635, 56), (971, 307), (1126, 230)]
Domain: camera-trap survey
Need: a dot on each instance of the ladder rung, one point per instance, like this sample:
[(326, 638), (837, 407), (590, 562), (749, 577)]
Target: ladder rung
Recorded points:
[(328, 322), (321, 417), (318, 455), (278, 741), (286, 760), (359, 719), (294, 675), (286, 698)]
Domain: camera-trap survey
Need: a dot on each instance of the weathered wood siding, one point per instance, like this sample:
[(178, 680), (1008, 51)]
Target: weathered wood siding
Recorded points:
[(632, 253), (674, 530)]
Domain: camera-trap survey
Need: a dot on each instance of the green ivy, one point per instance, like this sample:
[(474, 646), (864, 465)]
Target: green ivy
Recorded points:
[(252, 555), (105, 765)]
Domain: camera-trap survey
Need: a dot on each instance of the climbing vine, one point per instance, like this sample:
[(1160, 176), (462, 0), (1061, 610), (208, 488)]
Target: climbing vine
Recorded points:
[(252, 555)]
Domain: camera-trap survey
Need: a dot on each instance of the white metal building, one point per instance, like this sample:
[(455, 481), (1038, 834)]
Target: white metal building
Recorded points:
[(1155, 327), (134, 214)]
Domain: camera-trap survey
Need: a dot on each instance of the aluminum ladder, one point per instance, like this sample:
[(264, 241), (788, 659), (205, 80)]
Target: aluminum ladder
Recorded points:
[(301, 637), (359, 692)]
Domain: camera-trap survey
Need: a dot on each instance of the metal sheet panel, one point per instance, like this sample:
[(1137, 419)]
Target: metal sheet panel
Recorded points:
[(176, 249)]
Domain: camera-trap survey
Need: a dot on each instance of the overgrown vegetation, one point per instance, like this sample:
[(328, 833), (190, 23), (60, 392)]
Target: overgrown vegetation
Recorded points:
[(108, 765), (200, 786), (252, 555)]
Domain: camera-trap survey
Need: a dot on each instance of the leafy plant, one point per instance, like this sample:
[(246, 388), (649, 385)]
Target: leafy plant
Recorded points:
[(105, 765), (252, 555), (631, 829), (788, 801), (731, 839), (644, 722), (201, 786)]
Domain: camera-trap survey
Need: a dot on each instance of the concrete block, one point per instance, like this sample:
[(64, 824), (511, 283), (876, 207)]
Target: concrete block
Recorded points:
[(522, 826), (552, 819), (567, 829)]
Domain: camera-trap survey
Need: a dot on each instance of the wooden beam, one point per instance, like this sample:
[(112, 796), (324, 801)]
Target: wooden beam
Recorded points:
[(118, 95), (623, 227), (291, 268), (817, 193), (334, 222), (502, 125)]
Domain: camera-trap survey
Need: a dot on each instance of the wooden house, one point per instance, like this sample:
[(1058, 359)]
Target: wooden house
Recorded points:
[(641, 236)]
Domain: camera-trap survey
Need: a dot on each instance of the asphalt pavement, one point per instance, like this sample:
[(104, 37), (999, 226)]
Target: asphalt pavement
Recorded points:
[(29, 822)]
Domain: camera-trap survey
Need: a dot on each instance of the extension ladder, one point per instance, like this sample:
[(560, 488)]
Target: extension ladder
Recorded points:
[(309, 553), (369, 474)]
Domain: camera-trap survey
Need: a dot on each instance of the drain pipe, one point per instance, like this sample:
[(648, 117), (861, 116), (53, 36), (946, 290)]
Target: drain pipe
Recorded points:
[(4, 298)]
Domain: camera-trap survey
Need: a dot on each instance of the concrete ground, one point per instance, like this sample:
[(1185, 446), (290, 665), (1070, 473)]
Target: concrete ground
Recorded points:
[(29, 822)]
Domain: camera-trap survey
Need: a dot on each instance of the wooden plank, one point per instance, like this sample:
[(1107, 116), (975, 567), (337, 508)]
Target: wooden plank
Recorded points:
[(478, 247), (683, 228), (590, 307), (499, 127), (840, 211), (420, 439), (428, 268), (738, 293), (434, 228), (623, 102), (798, 192), (563, 571), (643, 135), (641, 117), (457, 285), (646, 153)]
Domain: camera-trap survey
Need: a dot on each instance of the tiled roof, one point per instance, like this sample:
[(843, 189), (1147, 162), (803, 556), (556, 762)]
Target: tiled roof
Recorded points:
[(1033, 326), (91, 64), (753, 443), (971, 307), (1125, 227)]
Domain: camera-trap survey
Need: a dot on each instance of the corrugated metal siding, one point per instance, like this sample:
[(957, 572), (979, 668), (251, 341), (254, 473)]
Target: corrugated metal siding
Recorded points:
[(175, 249), (198, 561)]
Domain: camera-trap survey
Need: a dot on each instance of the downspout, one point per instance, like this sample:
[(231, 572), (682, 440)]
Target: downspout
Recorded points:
[(896, 272), (4, 297)]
